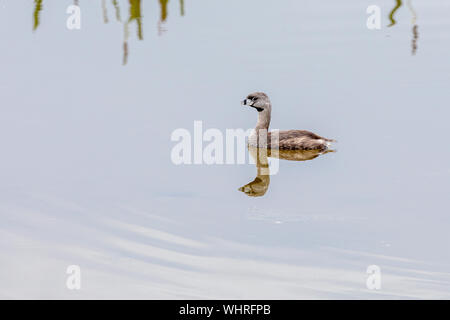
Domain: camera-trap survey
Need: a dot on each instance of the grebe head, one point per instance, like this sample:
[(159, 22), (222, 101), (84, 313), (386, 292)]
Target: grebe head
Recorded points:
[(258, 100)]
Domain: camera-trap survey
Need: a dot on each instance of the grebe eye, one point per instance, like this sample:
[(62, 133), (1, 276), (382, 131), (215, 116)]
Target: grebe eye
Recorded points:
[(254, 98)]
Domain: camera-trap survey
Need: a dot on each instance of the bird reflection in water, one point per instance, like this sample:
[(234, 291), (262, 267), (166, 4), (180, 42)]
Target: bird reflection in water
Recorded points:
[(259, 186)]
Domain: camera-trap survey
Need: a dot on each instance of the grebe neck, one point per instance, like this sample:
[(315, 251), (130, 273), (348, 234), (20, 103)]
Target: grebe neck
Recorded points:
[(263, 120)]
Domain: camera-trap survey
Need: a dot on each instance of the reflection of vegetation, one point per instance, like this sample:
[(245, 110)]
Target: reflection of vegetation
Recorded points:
[(117, 8), (414, 29), (414, 18), (163, 4), (37, 11), (105, 12), (134, 15), (125, 53), (182, 7), (414, 40), (135, 12), (391, 15)]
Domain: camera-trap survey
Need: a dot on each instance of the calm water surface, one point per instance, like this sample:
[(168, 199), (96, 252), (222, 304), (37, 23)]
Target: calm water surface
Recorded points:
[(85, 170)]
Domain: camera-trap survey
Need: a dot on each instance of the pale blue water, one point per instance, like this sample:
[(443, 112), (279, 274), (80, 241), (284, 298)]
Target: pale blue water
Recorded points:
[(86, 176)]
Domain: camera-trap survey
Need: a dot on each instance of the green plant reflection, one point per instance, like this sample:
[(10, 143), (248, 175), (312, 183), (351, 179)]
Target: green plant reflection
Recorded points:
[(415, 28), (36, 13), (134, 15)]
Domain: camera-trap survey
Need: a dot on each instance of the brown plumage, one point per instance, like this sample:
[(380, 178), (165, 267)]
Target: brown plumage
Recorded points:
[(283, 140), (298, 140)]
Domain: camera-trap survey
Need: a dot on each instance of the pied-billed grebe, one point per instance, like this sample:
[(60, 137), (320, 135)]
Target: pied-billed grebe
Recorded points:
[(287, 140)]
